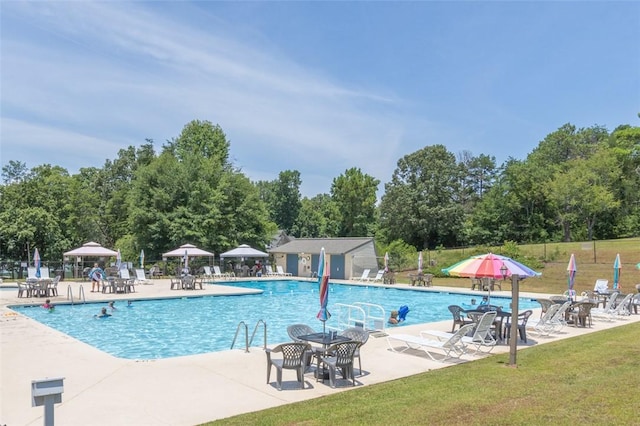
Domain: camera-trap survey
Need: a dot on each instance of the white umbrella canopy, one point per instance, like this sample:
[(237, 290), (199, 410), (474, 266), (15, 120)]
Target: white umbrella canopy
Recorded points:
[(91, 249), (244, 250), (190, 249)]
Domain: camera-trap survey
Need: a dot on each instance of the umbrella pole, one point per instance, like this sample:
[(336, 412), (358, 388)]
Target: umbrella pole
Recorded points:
[(513, 343)]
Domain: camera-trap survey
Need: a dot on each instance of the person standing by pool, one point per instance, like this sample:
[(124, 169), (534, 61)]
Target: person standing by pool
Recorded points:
[(97, 275)]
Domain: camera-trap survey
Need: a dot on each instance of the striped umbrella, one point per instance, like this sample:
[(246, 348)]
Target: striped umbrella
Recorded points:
[(489, 266), (323, 281), (617, 266), (420, 263), (572, 269), (36, 262), (142, 259)]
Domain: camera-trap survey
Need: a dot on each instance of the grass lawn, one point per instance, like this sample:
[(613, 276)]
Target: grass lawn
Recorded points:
[(591, 379)]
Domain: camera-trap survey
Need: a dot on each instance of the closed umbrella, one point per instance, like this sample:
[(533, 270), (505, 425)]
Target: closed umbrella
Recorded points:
[(386, 262), (420, 263), (118, 260), (185, 258), (323, 280), (142, 259), (617, 266), (36, 262), (571, 269)]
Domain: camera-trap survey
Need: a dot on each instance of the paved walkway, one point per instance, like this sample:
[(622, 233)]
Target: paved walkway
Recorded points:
[(100, 389)]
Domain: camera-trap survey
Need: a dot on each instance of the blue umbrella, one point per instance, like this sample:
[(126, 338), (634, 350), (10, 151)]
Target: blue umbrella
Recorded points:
[(617, 265), (323, 281), (36, 262)]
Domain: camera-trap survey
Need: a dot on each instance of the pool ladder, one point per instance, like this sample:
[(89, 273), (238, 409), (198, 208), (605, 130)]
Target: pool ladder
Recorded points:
[(247, 342), (80, 294)]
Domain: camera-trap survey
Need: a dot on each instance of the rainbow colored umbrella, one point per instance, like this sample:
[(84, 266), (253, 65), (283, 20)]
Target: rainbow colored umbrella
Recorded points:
[(323, 281), (617, 266), (36, 262), (571, 269), (489, 266), (420, 263)]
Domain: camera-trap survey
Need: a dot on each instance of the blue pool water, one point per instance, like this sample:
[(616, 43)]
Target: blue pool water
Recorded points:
[(165, 328)]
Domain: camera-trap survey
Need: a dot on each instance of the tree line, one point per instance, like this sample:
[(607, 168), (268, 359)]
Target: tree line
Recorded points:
[(577, 184)]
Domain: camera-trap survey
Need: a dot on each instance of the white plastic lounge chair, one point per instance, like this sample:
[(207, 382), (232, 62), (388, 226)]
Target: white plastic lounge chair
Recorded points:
[(616, 310), (551, 321), (377, 278), (207, 272), (282, 273), (270, 272), (608, 307), (141, 278), (481, 334), (218, 274), (363, 277), (601, 286), (44, 272), (453, 347), (31, 272)]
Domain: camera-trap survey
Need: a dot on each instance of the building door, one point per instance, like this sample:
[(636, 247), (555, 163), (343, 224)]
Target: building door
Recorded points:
[(337, 266), (292, 265)]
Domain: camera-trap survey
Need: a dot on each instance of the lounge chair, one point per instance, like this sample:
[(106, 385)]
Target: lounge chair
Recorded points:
[(601, 286), (377, 278), (31, 272), (44, 272), (141, 278), (363, 277), (551, 321), (270, 272), (357, 334), (219, 274), (453, 347), (481, 336), (293, 358), (282, 273), (616, 309)]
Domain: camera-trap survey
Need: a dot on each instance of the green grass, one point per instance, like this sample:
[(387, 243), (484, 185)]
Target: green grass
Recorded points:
[(554, 257), (590, 379)]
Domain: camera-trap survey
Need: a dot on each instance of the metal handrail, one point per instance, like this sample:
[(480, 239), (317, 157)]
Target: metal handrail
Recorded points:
[(264, 346), (81, 294), (246, 336), (70, 293)]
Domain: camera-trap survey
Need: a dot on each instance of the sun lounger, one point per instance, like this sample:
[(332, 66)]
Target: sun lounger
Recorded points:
[(453, 347), (363, 277)]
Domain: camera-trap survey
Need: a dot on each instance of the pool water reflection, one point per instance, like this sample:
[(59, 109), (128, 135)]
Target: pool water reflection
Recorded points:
[(164, 328)]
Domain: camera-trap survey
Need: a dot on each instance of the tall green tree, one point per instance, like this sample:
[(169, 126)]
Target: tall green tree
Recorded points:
[(419, 204), (354, 194), (319, 217), (286, 199)]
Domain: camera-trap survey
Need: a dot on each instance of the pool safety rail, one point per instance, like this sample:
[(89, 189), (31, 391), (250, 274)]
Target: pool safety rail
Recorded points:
[(81, 295), (247, 342), (359, 314)]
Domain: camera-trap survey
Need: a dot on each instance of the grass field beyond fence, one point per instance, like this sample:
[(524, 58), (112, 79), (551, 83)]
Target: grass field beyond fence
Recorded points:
[(587, 380)]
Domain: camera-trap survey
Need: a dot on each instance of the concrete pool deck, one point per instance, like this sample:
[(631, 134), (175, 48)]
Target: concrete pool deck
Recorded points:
[(100, 389)]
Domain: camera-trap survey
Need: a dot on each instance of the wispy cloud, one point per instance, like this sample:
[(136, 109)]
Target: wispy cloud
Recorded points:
[(121, 72)]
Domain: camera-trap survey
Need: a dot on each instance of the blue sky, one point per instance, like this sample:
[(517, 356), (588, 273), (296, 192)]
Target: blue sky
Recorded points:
[(317, 87)]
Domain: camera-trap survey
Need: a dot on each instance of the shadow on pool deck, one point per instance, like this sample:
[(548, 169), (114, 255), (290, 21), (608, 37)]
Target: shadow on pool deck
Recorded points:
[(100, 389)]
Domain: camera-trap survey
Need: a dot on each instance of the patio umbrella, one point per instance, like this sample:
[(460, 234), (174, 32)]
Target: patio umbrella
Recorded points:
[(118, 260), (617, 265), (142, 259), (36, 262), (91, 249), (489, 266), (190, 249), (185, 258), (323, 280), (572, 269), (420, 263), (244, 250), (386, 262)]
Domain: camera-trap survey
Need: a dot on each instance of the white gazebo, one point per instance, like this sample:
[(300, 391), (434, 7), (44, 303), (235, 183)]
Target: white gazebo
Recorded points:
[(90, 249), (190, 250), (243, 251)]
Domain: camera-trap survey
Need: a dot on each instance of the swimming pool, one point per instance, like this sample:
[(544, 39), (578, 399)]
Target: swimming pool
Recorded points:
[(165, 328)]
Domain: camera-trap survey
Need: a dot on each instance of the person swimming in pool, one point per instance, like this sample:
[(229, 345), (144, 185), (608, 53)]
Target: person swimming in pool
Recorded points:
[(393, 319), (103, 313), (111, 305), (48, 305)]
